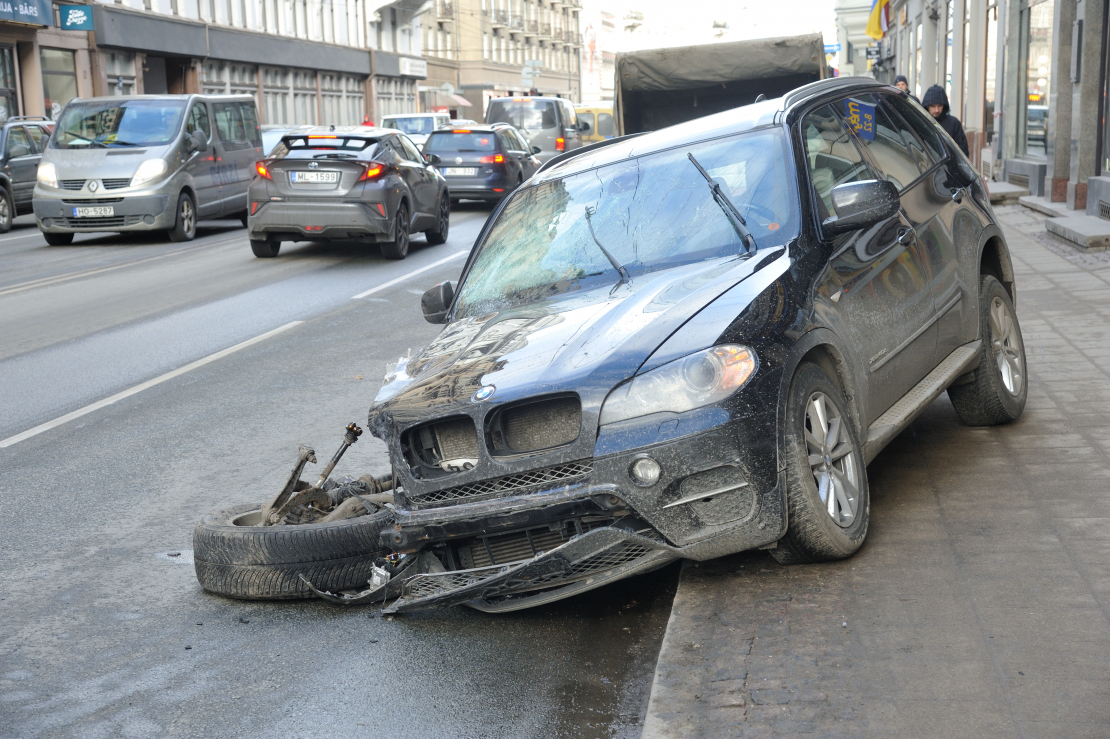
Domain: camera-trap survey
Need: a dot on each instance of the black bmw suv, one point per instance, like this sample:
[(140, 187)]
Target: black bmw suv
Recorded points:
[(482, 162)]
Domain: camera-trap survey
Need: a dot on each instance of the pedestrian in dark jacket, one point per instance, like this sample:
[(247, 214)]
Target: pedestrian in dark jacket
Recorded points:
[(903, 84), (936, 102)]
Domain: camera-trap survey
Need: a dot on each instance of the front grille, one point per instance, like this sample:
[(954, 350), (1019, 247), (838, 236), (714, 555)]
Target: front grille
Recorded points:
[(498, 550), (93, 201), (499, 486), (1021, 180), (72, 184), (115, 184), (106, 222), (1104, 210), (534, 426)]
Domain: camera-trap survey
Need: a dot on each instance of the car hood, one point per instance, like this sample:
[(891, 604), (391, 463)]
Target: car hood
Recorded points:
[(582, 343), (97, 163)]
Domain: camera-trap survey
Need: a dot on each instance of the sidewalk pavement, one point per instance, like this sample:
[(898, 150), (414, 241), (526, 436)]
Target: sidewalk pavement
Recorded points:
[(980, 605)]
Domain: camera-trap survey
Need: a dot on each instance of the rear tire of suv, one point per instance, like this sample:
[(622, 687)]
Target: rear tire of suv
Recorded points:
[(264, 248), (438, 235), (399, 247), (185, 223), (58, 239), (7, 211), (1000, 384), (828, 504)]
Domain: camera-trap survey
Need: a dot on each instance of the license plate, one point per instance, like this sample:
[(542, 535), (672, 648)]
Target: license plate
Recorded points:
[(299, 178), (98, 211), (460, 171)]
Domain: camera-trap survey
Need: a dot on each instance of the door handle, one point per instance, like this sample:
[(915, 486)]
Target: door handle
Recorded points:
[(907, 236), (958, 195)]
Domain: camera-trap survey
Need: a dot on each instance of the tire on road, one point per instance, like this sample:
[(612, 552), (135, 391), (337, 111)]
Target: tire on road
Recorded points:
[(265, 562), (58, 239), (399, 247), (185, 220), (992, 397), (7, 210), (438, 235), (265, 248), (814, 452)]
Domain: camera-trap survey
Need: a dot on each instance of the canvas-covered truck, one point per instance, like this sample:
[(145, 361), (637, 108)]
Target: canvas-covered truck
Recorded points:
[(657, 88)]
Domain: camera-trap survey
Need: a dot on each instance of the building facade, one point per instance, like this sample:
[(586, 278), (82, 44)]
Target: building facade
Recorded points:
[(481, 49)]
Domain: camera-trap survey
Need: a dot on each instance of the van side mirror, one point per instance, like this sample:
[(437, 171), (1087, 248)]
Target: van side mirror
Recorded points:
[(583, 126), (536, 150), (197, 141), (436, 301), (860, 205)]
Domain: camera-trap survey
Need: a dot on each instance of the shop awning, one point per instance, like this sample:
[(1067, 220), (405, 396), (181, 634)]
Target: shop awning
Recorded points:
[(461, 100)]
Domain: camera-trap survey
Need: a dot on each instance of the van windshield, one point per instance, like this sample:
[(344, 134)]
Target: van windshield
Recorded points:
[(116, 123), (412, 126), (527, 115)]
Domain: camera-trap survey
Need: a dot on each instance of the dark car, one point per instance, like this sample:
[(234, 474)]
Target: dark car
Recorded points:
[(23, 140), (355, 182), (482, 162), (683, 344)]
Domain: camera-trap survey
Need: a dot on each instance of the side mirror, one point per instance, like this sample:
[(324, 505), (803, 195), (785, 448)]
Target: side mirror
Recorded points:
[(859, 205), (436, 301), (536, 150), (583, 126), (197, 141), (433, 158)]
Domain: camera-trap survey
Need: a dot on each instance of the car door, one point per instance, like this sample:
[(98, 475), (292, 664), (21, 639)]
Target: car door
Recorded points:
[(235, 154), (22, 159), (200, 164), (874, 287), (422, 182), (570, 125), (512, 157), (528, 162)]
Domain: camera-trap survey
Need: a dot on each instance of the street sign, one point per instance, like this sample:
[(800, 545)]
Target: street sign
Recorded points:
[(874, 53), (535, 63), (832, 48)]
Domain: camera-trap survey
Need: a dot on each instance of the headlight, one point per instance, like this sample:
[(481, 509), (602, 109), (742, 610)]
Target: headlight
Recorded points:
[(149, 170), (48, 175), (691, 382)]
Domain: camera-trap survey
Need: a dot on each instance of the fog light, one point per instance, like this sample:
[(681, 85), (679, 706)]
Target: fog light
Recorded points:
[(148, 220), (644, 472)]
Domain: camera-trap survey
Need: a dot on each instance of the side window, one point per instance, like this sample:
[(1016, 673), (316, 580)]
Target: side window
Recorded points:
[(250, 125), (605, 125), (19, 145), (883, 139), (570, 120), (229, 125), (831, 157), (40, 135), (588, 118), (411, 152), (199, 120), (923, 124), (506, 140)]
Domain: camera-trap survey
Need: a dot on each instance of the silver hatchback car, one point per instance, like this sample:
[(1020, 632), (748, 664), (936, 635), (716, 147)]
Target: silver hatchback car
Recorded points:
[(147, 163)]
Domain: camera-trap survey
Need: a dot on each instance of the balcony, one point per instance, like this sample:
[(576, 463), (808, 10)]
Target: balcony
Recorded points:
[(516, 23), (445, 10), (545, 30), (499, 18), (531, 27)]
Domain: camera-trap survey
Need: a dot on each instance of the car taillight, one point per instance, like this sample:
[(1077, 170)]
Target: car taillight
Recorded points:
[(373, 169), (260, 167), (492, 159), (254, 207), (560, 144)]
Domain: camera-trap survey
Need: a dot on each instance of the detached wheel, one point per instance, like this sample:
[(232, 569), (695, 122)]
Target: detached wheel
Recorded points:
[(999, 385), (58, 239), (264, 248), (399, 247), (235, 558), (7, 211), (185, 226), (828, 504), (438, 235)]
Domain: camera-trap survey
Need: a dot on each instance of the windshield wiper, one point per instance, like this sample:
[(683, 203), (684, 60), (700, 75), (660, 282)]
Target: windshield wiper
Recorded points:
[(101, 144), (125, 143), (625, 277), (730, 211)]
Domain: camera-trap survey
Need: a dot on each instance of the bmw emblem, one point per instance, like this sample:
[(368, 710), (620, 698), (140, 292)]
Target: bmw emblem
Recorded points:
[(313, 165), (458, 160), (92, 186), (484, 393)]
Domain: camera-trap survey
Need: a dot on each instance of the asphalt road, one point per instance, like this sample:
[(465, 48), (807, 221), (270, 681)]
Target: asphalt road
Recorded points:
[(107, 634)]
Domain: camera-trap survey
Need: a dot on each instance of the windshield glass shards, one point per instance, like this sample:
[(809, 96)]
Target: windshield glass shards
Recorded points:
[(651, 213), (108, 123)]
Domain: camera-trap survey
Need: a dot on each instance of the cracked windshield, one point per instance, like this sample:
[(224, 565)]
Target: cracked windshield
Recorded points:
[(650, 213)]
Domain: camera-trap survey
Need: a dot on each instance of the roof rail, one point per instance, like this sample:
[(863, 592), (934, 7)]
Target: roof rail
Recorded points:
[(27, 118), (826, 85)]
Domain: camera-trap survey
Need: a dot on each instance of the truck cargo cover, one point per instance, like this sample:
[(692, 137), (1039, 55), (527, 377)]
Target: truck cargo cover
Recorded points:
[(698, 66)]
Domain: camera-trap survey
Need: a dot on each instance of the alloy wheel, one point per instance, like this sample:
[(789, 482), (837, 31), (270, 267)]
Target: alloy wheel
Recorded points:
[(1006, 344), (5, 212), (188, 216), (444, 216), (835, 467)]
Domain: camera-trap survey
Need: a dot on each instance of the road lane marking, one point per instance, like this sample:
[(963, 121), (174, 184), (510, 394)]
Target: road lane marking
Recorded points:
[(143, 386), (45, 281), (404, 277)]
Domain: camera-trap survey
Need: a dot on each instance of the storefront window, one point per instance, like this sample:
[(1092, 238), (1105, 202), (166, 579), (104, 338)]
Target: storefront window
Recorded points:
[(1036, 37), (7, 84), (59, 80)]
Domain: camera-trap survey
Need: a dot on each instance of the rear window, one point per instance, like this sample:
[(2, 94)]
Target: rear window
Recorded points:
[(527, 115), (449, 141), (307, 146)]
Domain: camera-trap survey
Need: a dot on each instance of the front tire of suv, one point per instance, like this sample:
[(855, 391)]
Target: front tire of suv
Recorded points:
[(7, 211), (399, 247), (185, 224), (828, 504), (1000, 384), (265, 248)]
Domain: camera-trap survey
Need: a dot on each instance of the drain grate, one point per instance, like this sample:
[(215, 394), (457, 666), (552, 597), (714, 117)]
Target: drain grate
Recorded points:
[(1104, 210), (1021, 180)]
